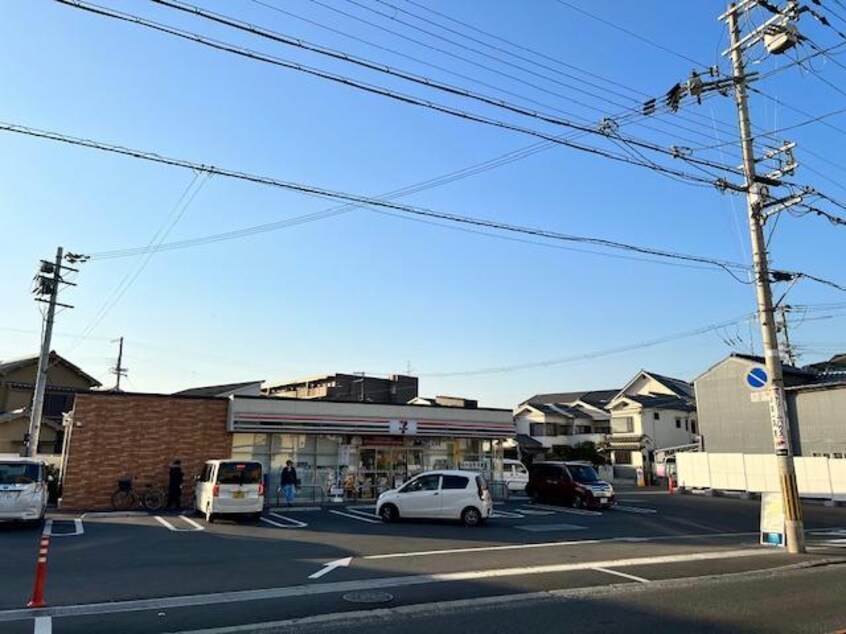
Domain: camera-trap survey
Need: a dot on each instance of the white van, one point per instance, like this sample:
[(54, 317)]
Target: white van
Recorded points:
[(23, 489), (233, 487), (515, 475)]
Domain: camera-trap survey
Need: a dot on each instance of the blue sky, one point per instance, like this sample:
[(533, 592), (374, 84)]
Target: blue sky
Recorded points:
[(364, 291)]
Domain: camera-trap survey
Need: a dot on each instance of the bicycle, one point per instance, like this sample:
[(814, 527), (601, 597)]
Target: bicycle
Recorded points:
[(125, 497)]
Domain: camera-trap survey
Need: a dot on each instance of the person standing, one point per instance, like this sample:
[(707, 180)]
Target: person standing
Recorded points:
[(174, 485), (289, 482)]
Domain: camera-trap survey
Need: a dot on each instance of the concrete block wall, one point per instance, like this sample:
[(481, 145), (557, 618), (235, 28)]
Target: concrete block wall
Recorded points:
[(139, 434)]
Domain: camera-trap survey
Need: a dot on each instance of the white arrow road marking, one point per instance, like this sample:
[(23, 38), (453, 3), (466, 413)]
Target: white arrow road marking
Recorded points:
[(292, 523), (329, 567), (621, 574), (361, 518), (635, 509), (43, 625)]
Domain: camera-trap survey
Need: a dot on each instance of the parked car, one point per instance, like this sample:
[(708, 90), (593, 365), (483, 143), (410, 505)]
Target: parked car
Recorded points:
[(23, 489), (229, 487), (515, 474), (574, 483), (455, 495)]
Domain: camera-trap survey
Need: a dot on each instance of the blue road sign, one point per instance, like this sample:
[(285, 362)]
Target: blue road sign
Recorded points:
[(757, 378)]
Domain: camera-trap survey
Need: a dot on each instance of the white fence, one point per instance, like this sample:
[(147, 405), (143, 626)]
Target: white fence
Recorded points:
[(823, 478)]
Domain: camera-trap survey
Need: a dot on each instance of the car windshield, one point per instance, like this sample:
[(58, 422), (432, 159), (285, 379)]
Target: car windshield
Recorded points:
[(18, 473), (239, 473), (583, 473)]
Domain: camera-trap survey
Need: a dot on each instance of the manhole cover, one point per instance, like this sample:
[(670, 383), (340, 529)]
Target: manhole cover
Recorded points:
[(368, 597)]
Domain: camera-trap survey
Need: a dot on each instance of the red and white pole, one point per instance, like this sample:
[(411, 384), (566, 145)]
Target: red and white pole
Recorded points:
[(37, 600)]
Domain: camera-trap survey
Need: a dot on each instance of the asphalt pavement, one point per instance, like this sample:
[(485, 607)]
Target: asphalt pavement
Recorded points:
[(169, 573)]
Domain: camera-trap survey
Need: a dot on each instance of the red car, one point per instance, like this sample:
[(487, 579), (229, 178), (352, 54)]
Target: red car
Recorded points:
[(574, 483)]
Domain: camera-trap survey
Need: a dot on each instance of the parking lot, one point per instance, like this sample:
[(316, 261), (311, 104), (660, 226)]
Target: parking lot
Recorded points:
[(177, 572)]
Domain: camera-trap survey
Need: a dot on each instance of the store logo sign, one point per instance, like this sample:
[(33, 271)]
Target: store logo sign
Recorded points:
[(403, 427)]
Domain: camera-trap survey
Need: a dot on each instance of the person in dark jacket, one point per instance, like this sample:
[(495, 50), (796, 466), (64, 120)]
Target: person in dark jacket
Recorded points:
[(289, 482), (174, 485)]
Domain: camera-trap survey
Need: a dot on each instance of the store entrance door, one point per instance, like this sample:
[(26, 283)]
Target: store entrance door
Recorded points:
[(384, 468)]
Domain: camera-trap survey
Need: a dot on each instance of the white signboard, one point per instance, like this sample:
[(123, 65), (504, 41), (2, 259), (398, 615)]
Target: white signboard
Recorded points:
[(772, 519)]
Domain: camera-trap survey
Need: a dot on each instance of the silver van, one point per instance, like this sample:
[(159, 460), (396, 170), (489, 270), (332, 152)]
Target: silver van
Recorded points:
[(23, 489)]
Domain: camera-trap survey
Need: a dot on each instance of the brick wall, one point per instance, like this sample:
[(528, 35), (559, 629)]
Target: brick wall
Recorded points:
[(117, 434)]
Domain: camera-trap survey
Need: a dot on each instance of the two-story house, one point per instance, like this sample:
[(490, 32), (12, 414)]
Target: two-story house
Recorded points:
[(547, 421), (651, 412), (17, 383)]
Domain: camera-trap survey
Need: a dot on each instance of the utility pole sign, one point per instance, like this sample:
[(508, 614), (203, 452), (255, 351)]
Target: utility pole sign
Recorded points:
[(778, 35)]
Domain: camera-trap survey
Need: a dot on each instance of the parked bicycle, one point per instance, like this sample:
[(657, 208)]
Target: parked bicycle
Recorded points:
[(126, 497)]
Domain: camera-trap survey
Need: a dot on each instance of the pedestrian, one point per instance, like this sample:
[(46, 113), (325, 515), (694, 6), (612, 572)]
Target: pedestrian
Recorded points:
[(289, 482), (174, 485)]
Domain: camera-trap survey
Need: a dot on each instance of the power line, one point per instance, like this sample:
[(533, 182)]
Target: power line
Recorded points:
[(629, 115), (632, 34), (705, 123), (592, 355), (430, 83), (364, 200), (357, 199)]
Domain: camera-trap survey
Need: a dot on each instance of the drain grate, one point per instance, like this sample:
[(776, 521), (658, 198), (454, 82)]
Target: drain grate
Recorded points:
[(368, 597)]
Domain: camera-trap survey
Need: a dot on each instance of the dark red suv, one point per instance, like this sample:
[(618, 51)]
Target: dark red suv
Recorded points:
[(574, 483)]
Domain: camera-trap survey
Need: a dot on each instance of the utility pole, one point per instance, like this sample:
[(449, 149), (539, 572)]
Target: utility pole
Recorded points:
[(119, 370), (783, 327), (756, 201), (47, 282)]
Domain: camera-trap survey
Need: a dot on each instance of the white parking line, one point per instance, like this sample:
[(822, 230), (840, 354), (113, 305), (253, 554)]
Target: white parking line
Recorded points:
[(78, 529), (621, 574), (546, 528), (194, 525), (507, 514), (635, 509), (291, 522), (43, 625), (528, 511), (360, 518)]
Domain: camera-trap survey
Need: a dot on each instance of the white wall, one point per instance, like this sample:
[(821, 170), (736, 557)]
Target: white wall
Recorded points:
[(823, 478)]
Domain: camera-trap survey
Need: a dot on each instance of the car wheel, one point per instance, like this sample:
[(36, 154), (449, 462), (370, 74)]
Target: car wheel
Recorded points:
[(256, 517), (471, 516), (389, 513), (532, 493), (578, 502)]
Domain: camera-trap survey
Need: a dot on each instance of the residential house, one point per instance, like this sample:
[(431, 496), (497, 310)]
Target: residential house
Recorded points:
[(393, 390), (17, 385), (547, 421), (445, 401), (735, 418), (651, 412)]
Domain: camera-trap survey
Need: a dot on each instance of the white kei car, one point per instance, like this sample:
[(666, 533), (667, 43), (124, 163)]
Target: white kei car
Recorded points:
[(454, 495)]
